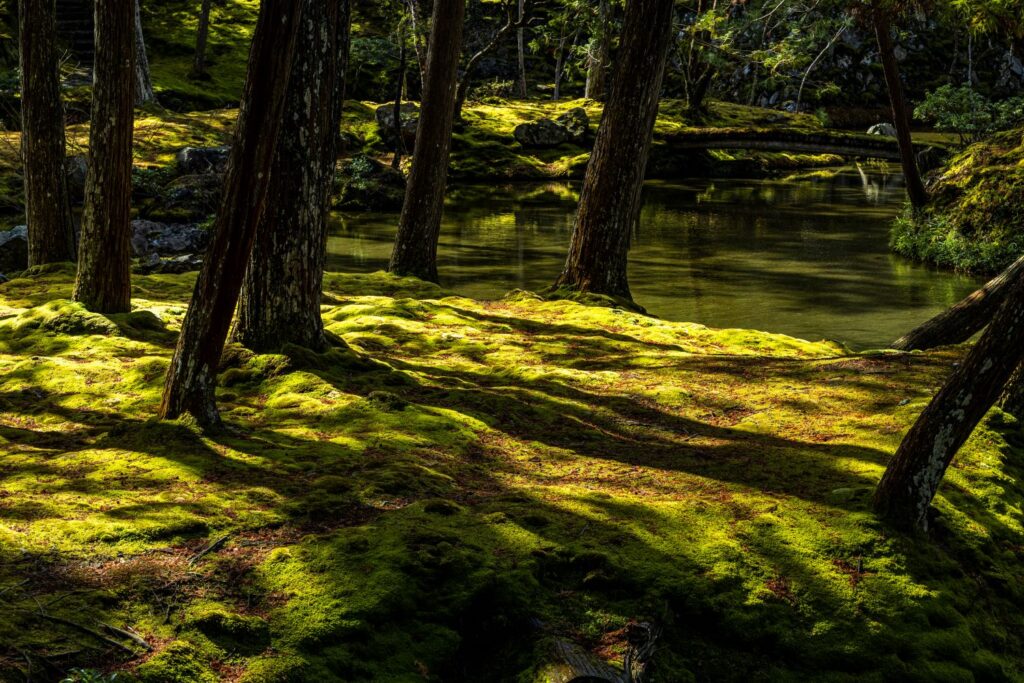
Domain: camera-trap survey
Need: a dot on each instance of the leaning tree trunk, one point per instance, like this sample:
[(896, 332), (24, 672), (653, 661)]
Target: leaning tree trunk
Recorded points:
[(597, 60), (202, 35), (191, 377), (610, 199), (961, 322), (281, 294), (1012, 400), (910, 481), (900, 114), (51, 229), (419, 227), (143, 84), (104, 254)]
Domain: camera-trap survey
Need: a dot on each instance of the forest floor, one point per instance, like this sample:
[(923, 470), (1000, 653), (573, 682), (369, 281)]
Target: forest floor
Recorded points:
[(457, 484)]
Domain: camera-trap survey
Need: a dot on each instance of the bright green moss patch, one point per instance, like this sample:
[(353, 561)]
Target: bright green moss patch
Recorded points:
[(974, 221), (454, 485)]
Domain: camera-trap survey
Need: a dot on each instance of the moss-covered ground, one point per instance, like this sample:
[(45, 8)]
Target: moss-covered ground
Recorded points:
[(457, 483), (974, 222)]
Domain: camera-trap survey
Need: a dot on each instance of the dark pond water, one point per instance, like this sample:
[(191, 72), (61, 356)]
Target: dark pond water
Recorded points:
[(806, 257)]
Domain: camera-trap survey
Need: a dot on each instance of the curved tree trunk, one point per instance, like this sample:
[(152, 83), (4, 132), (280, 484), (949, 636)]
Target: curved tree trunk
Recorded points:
[(51, 229), (191, 377), (104, 254), (143, 83), (900, 114), (419, 227), (610, 199), (961, 322), (905, 492), (280, 300), (202, 35)]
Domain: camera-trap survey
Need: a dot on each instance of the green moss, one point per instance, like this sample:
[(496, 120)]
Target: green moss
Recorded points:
[(455, 483)]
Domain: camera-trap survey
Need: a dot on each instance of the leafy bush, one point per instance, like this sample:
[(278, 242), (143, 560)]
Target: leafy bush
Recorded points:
[(968, 113)]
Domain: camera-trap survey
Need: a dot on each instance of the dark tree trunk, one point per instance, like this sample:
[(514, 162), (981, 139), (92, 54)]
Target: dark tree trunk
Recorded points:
[(961, 322), (143, 83), (104, 254), (521, 50), (396, 160), (610, 199), (463, 88), (281, 294), (910, 481), (191, 377), (51, 229), (597, 62), (419, 227), (1012, 400), (202, 35), (698, 74), (900, 114)]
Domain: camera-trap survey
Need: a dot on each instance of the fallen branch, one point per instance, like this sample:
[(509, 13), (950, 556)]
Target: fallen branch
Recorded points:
[(213, 547), (134, 637), (86, 630)]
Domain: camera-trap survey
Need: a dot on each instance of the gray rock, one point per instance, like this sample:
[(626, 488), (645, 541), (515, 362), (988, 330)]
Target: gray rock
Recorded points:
[(410, 119), (541, 134), (186, 199), (199, 160), (885, 129), (14, 249), (576, 123), (150, 237), (174, 265)]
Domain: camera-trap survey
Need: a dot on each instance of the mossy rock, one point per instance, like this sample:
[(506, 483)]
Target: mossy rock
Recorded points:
[(232, 632), (179, 662)]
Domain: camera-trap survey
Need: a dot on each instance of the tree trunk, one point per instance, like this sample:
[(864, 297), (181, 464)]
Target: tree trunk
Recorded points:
[(51, 229), (104, 254), (419, 42), (520, 50), (202, 35), (900, 114), (191, 377), (463, 87), (396, 160), (610, 199), (419, 227), (598, 58), (961, 322), (143, 84), (1012, 400), (281, 293), (556, 94), (910, 481)]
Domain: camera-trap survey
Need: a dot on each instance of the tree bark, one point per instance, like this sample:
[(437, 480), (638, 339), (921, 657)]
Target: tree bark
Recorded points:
[(961, 322), (143, 84), (415, 251), (280, 300), (104, 254), (51, 228), (202, 35), (610, 199), (191, 377), (520, 50), (900, 113), (597, 60), (396, 160), (912, 477)]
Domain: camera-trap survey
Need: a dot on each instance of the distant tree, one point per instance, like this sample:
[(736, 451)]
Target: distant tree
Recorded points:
[(143, 83), (419, 227), (881, 14), (51, 229), (599, 52), (905, 493), (202, 35), (521, 50), (396, 160), (610, 199), (511, 22), (191, 377), (281, 293), (104, 254)]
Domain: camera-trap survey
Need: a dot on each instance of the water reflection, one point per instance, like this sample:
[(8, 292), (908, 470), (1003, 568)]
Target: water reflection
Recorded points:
[(806, 257)]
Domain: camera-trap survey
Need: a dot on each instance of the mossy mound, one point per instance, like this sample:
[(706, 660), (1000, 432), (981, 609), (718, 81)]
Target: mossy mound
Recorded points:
[(974, 222), (461, 483)]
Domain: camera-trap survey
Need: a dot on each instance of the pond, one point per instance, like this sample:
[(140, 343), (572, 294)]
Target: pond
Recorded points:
[(805, 256)]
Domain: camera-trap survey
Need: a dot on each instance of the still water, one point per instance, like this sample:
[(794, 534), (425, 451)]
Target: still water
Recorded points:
[(806, 257)]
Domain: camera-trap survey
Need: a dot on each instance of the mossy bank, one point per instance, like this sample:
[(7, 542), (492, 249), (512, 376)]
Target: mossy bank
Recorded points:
[(975, 221), (457, 484)]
